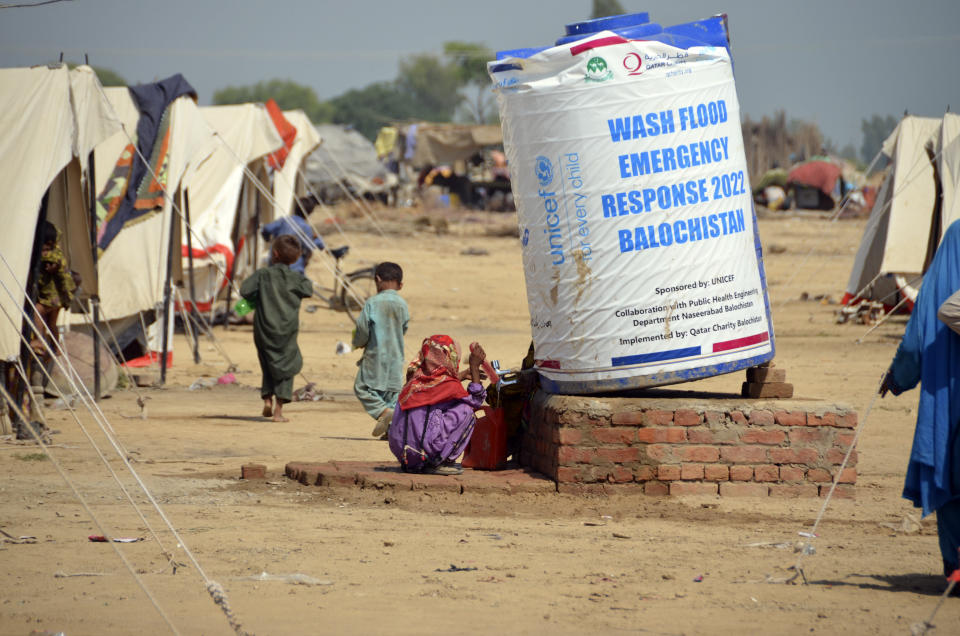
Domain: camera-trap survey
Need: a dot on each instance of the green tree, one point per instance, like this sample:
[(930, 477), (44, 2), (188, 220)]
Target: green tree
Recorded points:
[(604, 8), (431, 85), (469, 60), (288, 95), (370, 108), (875, 130)]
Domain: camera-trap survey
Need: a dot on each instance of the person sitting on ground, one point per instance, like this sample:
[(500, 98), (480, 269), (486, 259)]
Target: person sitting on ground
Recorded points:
[(55, 286), (276, 291), (296, 225), (929, 354), (435, 416), (380, 328)]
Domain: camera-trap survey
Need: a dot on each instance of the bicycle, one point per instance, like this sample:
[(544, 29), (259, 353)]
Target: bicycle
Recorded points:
[(350, 290)]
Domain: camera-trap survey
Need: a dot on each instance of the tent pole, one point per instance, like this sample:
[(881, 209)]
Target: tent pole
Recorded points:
[(94, 298), (185, 194), (166, 302)]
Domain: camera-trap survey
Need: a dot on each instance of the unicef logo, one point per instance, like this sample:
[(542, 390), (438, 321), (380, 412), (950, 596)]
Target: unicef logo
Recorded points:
[(544, 169)]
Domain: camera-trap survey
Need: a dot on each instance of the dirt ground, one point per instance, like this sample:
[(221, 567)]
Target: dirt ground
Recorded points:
[(528, 564)]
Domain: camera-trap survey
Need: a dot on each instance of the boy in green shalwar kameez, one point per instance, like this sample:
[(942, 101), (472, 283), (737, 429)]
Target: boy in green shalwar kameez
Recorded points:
[(276, 291)]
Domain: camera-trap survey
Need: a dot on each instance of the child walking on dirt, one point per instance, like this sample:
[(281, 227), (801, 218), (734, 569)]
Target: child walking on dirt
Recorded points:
[(380, 329), (276, 291)]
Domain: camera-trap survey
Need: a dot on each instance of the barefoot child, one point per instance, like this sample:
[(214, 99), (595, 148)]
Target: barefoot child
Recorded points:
[(380, 329), (276, 292)]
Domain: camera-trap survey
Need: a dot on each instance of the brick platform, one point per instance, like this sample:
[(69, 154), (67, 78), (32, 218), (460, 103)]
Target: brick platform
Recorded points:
[(683, 442), (378, 475)]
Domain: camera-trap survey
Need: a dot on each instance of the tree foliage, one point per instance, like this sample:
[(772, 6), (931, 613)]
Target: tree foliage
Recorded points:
[(288, 94), (470, 61), (370, 108), (431, 85), (604, 8), (875, 130)]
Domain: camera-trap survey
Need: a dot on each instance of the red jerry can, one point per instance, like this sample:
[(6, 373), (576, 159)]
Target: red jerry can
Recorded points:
[(487, 449)]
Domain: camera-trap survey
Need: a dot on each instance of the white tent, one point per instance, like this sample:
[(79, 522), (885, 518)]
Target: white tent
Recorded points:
[(347, 157), (50, 119), (223, 202), (948, 148), (896, 243), (287, 182)]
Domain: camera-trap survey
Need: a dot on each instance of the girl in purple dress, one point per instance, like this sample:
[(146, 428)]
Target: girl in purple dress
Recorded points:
[(435, 416)]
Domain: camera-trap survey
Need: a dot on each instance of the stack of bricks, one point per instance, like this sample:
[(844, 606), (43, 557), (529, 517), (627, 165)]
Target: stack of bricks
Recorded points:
[(730, 447), (767, 382)]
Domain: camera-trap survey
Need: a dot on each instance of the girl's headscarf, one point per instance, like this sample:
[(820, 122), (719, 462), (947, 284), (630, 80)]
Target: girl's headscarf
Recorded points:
[(436, 376)]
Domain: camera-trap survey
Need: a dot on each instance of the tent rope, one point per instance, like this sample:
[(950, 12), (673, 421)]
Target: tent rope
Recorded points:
[(110, 434), (83, 502), (807, 546)]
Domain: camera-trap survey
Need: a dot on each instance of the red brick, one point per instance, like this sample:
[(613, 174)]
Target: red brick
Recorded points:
[(716, 472), (620, 475), (761, 418), (656, 489), (737, 489), (700, 435), (713, 418), (658, 452), (766, 472), (574, 455), (569, 474), (792, 418), (807, 435), (793, 490), (738, 417), (771, 390), (615, 435), (643, 473), (691, 471), (670, 434), (791, 473), (848, 476), (819, 475), (846, 421), (744, 454), (835, 456), (668, 472), (253, 471), (741, 473), (766, 374), (692, 488), (655, 417), (686, 417), (619, 455), (569, 436), (808, 456), (842, 491), (754, 436), (827, 419), (698, 453), (843, 440), (628, 418)]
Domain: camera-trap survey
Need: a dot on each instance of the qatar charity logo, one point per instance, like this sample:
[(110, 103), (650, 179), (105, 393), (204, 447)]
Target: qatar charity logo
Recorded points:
[(544, 170), (597, 70)]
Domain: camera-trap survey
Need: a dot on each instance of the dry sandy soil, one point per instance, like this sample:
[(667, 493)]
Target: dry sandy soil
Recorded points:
[(543, 564)]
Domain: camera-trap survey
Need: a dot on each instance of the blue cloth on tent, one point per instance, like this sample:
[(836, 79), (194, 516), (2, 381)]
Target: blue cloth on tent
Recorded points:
[(930, 354), (152, 101), (297, 226)]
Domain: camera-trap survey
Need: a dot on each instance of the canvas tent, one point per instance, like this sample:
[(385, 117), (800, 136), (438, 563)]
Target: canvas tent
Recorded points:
[(288, 182), (345, 156), (133, 260), (225, 205), (428, 144), (50, 120), (905, 225)]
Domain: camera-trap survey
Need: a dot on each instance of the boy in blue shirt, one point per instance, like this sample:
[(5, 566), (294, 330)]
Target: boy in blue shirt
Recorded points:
[(380, 328)]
